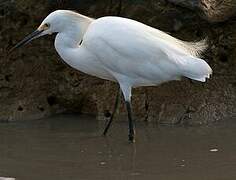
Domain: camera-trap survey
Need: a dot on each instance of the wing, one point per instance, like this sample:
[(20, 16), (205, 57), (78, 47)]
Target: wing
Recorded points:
[(131, 48)]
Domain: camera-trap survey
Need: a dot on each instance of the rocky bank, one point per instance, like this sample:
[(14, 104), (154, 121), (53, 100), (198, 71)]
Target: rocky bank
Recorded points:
[(35, 83)]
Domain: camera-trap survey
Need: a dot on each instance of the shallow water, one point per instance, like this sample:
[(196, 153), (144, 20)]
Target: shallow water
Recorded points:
[(70, 147)]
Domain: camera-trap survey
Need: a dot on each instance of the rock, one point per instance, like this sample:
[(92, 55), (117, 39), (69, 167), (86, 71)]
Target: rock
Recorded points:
[(35, 83), (211, 10), (218, 10)]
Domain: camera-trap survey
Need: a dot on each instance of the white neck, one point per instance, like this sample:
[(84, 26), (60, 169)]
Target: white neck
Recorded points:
[(79, 57), (73, 34), (69, 39), (67, 44)]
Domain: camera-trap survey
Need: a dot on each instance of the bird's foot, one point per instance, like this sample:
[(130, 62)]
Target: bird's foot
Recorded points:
[(132, 137)]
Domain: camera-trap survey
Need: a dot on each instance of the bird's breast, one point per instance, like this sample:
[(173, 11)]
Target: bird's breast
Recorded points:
[(81, 59)]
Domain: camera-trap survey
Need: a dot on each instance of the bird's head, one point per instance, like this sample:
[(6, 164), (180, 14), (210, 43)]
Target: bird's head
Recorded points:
[(56, 22)]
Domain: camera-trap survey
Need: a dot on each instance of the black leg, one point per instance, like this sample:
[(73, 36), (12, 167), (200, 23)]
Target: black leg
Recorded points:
[(131, 123), (116, 106)]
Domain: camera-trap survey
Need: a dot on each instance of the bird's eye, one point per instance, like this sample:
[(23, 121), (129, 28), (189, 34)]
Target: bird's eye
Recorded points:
[(46, 25)]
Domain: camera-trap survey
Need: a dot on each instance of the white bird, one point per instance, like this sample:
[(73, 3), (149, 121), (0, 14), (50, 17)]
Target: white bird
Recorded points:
[(122, 50)]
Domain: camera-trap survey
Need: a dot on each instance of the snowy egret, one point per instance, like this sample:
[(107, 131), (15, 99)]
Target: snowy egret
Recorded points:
[(122, 50)]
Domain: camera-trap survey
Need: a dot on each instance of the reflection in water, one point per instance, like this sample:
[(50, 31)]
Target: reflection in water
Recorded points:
[(71, 147)]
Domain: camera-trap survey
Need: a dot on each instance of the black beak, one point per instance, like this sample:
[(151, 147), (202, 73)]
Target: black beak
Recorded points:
[(26, 40)]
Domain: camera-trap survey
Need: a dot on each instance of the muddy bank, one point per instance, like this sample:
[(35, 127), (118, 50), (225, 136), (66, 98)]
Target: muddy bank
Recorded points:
[(35, 83)]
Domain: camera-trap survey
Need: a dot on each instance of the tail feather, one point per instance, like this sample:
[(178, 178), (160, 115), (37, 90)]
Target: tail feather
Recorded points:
[(185, 55), (192, 66), (195, 48), (195, 68)]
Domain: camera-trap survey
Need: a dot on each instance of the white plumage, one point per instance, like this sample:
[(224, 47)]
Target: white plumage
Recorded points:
[(123, 50), (126, 51)]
